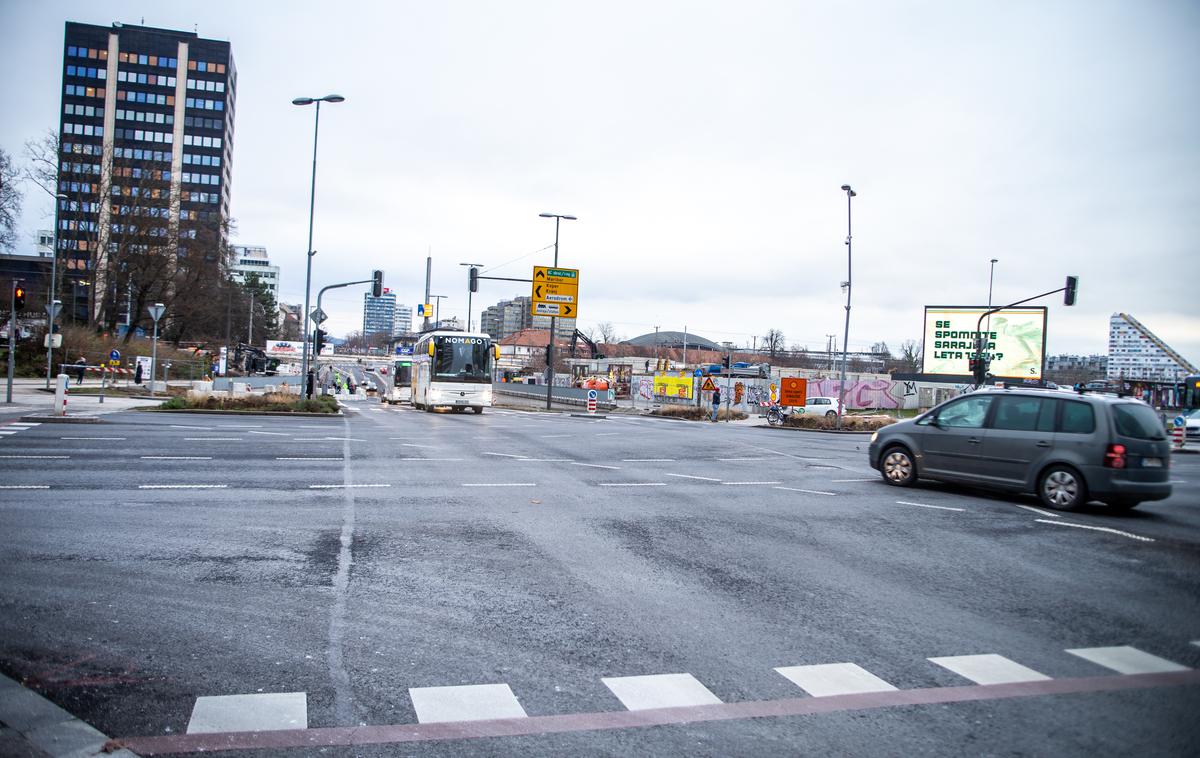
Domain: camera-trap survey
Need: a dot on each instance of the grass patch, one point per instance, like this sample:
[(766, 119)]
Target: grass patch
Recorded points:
[(276, 402), (692, 413)]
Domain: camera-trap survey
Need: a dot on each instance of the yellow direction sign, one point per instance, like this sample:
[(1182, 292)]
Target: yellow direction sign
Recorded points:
[(555, 292)]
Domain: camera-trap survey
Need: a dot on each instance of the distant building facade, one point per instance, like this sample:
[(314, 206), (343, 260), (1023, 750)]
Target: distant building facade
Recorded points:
[(402, 323), (379, 313), (249, 259), (1090, 364), (508, 317), (1136, 354)]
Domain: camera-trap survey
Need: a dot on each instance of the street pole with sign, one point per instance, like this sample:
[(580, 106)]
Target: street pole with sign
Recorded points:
[(558, 217), (12, 342), (51, 313), (156, 312)]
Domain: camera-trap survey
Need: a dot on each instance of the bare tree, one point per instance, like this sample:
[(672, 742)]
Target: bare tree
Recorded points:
[(910, 356), (10, 201), (605, 333), (773, 342), (881, 348)]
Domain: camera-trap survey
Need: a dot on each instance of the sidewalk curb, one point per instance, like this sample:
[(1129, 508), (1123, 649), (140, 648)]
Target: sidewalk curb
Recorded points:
[(40, 419), (48, 727), (814, 431), (215, 412)]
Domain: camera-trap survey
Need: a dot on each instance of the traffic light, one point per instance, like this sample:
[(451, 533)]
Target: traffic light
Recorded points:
[(473, 279), (978, 369), (19, 297), (377, 283), (726, 364), (1069, 291), (318, 341)]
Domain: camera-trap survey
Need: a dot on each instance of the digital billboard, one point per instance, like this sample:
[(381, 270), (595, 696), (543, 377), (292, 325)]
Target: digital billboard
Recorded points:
[(1014, 340)]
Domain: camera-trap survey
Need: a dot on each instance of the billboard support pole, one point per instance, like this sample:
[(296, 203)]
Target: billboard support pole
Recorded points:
[(979, 324)]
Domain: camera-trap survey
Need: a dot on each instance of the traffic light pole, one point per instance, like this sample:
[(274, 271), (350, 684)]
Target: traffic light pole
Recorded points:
[(980, 342), (12, 343), (317, 327)]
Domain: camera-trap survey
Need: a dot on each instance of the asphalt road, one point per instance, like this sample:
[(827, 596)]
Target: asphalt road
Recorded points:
[(154, 563)]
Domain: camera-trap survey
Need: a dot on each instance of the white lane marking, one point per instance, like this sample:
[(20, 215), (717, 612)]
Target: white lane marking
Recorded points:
[(633, 484), (23, 424), (502, 455), (212, 439), (840, 481), (1130, 535), (638, 693), (176, 457), (1038, 510), (245, 426), (989, 668), (689, 476), (35, 456), (553, 436), (413, 444), (261, 712), (594, 465), (737, 483), (1196, 643), (111, 439), (343, 486), (1177, 481), (547, 460), (1126, 660), (182, 486), (468, 702), (24, 486), (824, 679), (313, 458), (608, 434), (429, 459), (647, 460), (501, 484), (308, 439), (184, 426), (344, 439), (925, 505), (277, 434), (741, 459), (810, 492), (13, 431)]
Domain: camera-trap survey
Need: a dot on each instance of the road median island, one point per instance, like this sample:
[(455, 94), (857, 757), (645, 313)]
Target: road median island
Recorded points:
[(277, 404), (694, 413)]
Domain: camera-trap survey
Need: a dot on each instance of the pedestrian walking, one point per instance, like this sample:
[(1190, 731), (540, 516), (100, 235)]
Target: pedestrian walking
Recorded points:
[(716, 401), (79, 372), (137, 374)]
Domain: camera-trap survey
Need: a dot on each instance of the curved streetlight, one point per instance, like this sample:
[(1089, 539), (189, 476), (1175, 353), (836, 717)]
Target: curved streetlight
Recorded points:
[(558, 217), (846, 333), (312, 199)]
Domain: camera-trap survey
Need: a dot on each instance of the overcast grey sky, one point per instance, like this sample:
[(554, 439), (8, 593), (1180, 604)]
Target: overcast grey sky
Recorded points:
[(702, 146)]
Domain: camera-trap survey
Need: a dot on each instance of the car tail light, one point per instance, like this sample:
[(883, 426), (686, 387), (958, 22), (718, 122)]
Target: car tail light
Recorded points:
[(1115, 456)]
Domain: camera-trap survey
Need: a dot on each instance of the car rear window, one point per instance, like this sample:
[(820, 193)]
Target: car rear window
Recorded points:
[(1137, 421), (1077, 418)]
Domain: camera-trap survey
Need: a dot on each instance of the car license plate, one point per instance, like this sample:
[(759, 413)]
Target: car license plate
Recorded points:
[(1152, 462), (462, 402)]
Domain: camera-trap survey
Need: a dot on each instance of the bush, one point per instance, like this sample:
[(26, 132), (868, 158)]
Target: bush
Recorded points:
[(278, 402), (692, 413), (174, 404), (849, 423)]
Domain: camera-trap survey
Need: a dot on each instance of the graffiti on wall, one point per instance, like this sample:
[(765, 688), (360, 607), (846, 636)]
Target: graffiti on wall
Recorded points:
[(645, 388), (872, 393)]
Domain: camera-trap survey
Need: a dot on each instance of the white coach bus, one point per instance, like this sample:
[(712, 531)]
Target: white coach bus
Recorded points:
[(453, 370)]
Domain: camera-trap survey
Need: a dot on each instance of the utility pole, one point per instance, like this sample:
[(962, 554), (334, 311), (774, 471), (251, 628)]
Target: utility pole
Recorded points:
[(428, 274), (850, 194), (558, 217), (829, 343), (250, 323)]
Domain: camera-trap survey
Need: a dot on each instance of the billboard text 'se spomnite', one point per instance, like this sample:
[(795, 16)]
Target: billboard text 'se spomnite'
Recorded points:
[(1014, 340)]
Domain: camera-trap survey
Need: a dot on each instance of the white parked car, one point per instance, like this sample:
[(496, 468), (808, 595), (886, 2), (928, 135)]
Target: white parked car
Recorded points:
[(820, 406)]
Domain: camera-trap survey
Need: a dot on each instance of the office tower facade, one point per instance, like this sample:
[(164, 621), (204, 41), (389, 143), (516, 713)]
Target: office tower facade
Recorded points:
[(253, 260), (145, 142), (379, 313), (403, 321), (1136, 353)]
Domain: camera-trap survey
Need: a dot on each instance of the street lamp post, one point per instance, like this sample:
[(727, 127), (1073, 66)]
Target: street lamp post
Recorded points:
[(558, 217), (156, 312), (846, 333), (50, 298), (312, 200), (437, 313), (991, 274), (469, 290)]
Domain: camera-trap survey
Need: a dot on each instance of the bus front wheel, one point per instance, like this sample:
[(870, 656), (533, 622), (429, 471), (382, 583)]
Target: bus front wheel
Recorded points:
[(478, 409)]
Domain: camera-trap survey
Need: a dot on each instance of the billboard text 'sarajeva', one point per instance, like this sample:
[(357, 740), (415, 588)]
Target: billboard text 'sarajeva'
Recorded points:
[(1014, 341)]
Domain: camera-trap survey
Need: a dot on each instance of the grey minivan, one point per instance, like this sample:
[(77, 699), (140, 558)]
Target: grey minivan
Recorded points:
[(1067, 448)]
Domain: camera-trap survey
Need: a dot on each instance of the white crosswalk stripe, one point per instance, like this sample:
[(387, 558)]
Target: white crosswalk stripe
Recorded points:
[(258, 712), (823, 679), (470, 702), (638, 693), (1127, 660), (989, 669)]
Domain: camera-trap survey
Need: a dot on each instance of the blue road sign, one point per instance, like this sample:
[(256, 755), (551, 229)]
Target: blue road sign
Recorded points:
[(1180, 421), (592, 395), (404, 349), (114, 355)]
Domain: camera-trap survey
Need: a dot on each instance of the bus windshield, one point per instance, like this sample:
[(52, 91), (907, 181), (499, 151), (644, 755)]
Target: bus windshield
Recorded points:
[(462, 359), (401, 372)]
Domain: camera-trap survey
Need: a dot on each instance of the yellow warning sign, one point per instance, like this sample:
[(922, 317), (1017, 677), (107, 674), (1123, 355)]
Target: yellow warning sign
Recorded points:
[(708, 385)]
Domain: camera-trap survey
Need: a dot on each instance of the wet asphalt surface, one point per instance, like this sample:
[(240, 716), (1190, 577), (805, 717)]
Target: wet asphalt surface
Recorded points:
[(679, 547)]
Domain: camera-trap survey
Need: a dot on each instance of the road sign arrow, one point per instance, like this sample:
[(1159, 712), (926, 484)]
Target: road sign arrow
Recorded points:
[(539, 274), (566, 309), (537, 291)]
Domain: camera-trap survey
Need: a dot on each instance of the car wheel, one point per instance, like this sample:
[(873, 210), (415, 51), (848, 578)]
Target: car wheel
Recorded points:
[(1124, 505), (830, 414), (478, 409), (898, 467), (1062, 488)]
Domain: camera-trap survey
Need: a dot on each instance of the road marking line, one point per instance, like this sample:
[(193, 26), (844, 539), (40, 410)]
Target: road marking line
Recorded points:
[(547, 460), (553, 436), (1177, 481), (607, 434), (24, 486), (35, 456), (741, 459), (413, 444), (501, 484), (647, 460), (14, 431), (298, 458), (502, 455), (989, 668), (825, 679), (1038, 510), (633, 484), (639, 693), (429, 459), (735, 483), (349, 439), (1098, 529), (184, 426), (1124, 659), (923, 505), (810, 492), (208, 439), (182, 486), (343, 486), (262, 712), (468, 702), (839, 481), (277, 434), (689, 476), (176, 457), (23, 424), (594, 465), (111, 439), (308, 439)]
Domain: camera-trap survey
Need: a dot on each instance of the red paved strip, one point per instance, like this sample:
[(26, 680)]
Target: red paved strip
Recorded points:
[(579, 722)]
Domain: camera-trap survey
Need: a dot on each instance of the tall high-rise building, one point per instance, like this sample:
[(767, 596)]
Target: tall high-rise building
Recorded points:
[(1135, 353), (508, 317), (253, 260), (146, 137), (403, 320), (379, 313)]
